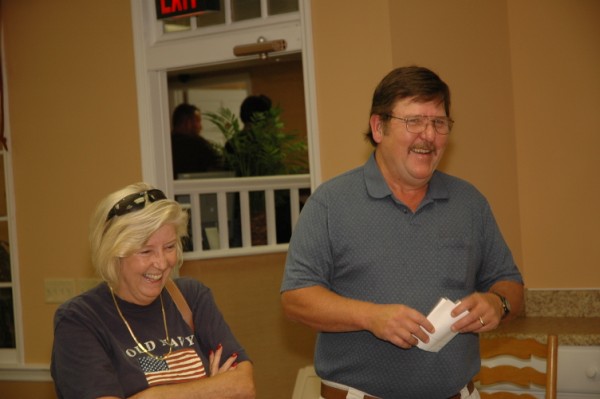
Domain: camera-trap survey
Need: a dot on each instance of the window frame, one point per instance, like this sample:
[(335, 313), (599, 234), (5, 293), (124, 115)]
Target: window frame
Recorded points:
[(11, 356), (157, 53)]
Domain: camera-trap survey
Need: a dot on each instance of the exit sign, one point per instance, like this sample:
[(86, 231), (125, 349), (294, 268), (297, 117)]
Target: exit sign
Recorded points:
[(184, 8)]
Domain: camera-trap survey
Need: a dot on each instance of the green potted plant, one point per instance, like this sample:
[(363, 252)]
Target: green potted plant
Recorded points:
[(261, 148)]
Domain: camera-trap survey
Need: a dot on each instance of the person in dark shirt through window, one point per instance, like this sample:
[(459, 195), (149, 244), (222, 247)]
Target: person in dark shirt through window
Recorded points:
[(191, 152), (238, 145)]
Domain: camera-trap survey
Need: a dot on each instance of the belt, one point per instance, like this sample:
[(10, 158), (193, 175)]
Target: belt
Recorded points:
[(470, 388), (329, 392)]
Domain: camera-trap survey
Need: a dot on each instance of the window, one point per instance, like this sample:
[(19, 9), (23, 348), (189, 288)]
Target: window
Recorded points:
[(7, 295), (7, 314), (170, 53), (9, 321), (233, 12), (270, 155)]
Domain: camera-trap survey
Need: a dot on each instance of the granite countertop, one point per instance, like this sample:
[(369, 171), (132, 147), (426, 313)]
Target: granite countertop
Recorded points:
[(577, 331), (573, 315)]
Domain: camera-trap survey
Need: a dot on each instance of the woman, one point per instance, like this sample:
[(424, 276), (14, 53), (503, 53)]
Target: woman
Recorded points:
[(127, 338)]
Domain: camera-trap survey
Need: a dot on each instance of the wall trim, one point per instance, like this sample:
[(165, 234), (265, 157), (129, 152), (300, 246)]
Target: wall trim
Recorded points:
[(33, 372)]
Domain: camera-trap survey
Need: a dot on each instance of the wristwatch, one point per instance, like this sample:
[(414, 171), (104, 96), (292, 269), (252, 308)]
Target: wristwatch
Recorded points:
[(505, 304)]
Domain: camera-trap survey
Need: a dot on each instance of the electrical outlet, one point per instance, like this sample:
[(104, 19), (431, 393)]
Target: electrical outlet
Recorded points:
[(59, 290)]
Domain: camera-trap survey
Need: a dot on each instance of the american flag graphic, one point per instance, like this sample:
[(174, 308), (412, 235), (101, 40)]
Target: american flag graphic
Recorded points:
[(180, 366)]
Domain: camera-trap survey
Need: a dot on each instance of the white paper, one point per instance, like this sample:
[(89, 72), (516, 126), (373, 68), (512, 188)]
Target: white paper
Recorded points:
[(442, 321)]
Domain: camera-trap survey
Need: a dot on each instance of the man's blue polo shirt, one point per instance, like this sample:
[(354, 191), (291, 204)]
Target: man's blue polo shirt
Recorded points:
[(356, 239)]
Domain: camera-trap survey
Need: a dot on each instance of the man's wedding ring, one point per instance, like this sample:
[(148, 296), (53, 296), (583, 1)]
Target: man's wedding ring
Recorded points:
[(481, 321)]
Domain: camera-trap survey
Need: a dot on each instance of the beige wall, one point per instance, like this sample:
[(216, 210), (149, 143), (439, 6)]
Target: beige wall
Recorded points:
[(247, 292), (525, 83), (74, 137), (466, 43), (556, 83), (352, 52), (515, 68)]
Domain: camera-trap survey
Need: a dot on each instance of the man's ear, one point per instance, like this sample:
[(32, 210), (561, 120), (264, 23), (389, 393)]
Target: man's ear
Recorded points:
[(377, 127)]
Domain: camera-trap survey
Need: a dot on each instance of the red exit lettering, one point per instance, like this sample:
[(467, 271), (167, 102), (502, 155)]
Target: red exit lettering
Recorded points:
[(176, 6), (184, 8)]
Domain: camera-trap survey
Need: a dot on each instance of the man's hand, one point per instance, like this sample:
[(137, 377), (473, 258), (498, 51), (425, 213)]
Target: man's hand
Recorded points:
[(485, 313), (485, 308), (400, 325)]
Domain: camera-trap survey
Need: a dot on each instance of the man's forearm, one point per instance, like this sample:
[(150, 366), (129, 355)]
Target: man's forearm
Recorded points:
[(514, 293), (323, 310)]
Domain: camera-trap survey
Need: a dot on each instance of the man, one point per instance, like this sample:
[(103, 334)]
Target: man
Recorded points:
[(191, 152), (246, 148), (251, 105), (376, 248)]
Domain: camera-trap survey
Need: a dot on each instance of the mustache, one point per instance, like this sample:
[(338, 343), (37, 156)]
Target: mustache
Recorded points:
[(423, 147)]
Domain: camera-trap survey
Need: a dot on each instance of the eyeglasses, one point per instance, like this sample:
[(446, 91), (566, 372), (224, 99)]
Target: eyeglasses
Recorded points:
[(134, 202), (418, 123)]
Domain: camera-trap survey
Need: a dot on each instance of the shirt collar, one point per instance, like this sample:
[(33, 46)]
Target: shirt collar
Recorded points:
[(378, 188)]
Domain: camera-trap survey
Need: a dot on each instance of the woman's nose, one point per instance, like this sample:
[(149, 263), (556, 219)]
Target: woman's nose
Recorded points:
[(161, 260)]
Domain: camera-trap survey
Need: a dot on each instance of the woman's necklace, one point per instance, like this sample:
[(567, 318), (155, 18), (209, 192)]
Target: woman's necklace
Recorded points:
[(139, 345)]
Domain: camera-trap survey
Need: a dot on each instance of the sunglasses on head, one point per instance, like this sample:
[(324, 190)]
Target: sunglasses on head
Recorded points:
[(134, 202)]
